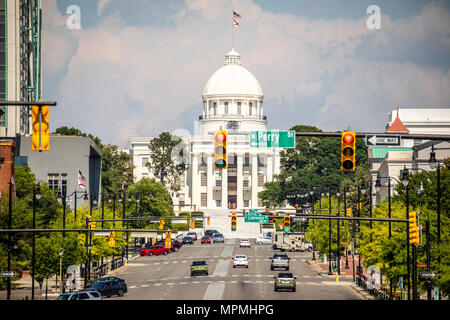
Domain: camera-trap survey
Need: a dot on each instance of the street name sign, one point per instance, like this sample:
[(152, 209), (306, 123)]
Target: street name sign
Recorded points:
[(253, 212), (272, 139), (427, 274), (8, 274), (375, 140), (252, 218)]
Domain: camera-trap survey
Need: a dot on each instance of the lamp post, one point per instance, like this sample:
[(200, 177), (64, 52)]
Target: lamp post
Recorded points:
[(36, 196), (11, 186), (329, 232), (338, 255), (405, 182), (346, 194), (311, 192)]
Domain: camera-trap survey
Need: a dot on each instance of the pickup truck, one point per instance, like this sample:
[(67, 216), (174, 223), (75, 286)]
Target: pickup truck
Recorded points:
[(280, 260)]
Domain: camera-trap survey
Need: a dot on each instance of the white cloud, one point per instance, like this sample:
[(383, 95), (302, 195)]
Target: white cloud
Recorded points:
[(121, 80), (101, 5)]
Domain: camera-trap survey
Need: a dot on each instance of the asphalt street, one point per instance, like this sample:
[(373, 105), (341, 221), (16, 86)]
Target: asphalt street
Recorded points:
[(168, 277)]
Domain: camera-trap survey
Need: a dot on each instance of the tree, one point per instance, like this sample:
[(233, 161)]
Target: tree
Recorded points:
[(162, 161), (117, 170), (65, 131)]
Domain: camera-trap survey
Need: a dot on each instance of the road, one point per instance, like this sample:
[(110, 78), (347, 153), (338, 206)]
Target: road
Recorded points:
[(168, 277)]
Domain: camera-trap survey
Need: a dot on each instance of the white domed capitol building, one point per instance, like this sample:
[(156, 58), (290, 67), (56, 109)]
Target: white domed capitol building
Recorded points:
[(232, 101)]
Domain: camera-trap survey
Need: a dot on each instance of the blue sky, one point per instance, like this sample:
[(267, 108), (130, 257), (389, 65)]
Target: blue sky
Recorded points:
[(138, 67)]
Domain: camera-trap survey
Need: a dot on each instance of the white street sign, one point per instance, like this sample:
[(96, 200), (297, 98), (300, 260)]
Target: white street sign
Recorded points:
[(373, 140)]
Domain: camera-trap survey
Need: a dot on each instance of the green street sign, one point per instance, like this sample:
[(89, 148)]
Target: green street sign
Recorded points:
[(253, 212), (272, 139), (260, 219)]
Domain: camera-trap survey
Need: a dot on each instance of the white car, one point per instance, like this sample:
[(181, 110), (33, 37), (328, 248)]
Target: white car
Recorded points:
[(240, 260), (244, 243), (264, 240), (81, 295)]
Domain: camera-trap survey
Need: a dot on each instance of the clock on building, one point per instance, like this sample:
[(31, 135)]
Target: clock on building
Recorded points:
[(232, 126)]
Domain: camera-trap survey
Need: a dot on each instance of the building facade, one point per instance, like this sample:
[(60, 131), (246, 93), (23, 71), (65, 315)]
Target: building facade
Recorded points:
[(232, 100), (59, 166), (20, 63)]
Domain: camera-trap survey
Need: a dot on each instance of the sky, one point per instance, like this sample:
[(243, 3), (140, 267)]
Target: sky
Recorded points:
[(138, 67)]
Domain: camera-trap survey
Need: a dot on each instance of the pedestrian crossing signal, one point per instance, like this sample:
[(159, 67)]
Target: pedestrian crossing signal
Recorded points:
[(40, 118)]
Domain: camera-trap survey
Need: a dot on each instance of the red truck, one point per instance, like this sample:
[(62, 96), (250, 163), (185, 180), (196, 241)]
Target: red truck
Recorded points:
[(155, 250)]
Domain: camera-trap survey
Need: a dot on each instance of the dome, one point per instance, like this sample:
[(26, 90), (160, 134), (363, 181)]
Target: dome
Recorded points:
[(232, 79)]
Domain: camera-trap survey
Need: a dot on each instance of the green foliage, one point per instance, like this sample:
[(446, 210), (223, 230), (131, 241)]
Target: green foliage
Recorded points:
[(162, 164), (66, 131)]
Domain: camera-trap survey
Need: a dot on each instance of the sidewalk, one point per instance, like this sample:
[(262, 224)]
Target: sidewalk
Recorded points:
[(23, 286)]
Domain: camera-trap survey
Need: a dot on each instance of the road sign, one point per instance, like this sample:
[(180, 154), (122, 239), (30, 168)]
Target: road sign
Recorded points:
[(427, 274), (422, 265), (253, 212), (101, 233), (8, 274), (272, 139), (375, 140), (252, 218)]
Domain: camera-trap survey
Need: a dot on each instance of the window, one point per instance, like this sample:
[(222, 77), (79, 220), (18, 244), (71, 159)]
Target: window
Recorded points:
[(53, 181), (247, 160), (245, 183), (246, 203), (203, 179), (145, 160), (260, 180), (203, 160), (218, 183), (261, 161), (215, 108), (239, 108), (204, 200), (250, 106), (225, 111), (218, 203), (64, 183)]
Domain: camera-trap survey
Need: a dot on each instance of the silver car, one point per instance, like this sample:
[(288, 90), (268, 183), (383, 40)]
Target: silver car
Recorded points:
[(218, 237), (264, 240), (81, 295)]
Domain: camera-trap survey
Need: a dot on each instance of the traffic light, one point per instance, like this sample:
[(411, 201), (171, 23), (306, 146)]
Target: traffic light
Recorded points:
[(413, 229), (161, 223), (267, 210), (233, 221), (287, 223), (112, 239), (220, 149), (168, 241), (40, 117), (192, 223), (348, 212), (348, 142), (208, 220), (274, 217)]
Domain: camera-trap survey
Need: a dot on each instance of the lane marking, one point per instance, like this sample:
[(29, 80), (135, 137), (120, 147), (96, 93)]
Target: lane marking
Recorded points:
[(221, 268), (214, 291)]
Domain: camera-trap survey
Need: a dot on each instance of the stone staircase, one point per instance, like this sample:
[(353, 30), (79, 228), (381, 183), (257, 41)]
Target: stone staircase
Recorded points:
[(221, 221)]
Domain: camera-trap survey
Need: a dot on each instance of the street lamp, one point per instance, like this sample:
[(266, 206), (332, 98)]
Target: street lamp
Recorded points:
[(405, 182)]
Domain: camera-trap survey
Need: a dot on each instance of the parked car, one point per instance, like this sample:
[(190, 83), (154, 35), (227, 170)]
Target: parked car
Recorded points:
[(309, 246), (192, 234), (187, 240), (155, 250), (264, 240), (244, 243), (210, 233), (109, 288), (240, 260), (81, 295), (109, 279), (285, 280), (199, 266), (218, 237), (176, 245), (280, 260), (206, 239)]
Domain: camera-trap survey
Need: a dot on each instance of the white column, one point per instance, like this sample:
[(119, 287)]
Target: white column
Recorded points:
[(261, 111), (277, 162), (269, 167), (224, 189), (195, 181), (240, 176), (210, 182), (254, 203)]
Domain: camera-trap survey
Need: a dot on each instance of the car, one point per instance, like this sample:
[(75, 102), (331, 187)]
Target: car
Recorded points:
[(210, 233), (176, 245), (240, 260), (81, 295), (155, 250), (192, 234), (269, 234), (199, 266), (264, 240), (309, 246), (187, 240), (218, 237), (108, 288), (244, 243), (285, 280), (109, 279), (280, 260), (206, 239)]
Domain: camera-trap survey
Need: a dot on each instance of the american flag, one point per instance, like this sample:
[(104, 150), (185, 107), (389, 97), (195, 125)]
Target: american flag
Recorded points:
[(236, 15), (81, 180)]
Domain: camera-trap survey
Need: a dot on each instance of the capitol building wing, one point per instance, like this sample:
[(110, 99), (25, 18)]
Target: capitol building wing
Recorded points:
[(232, 100)]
